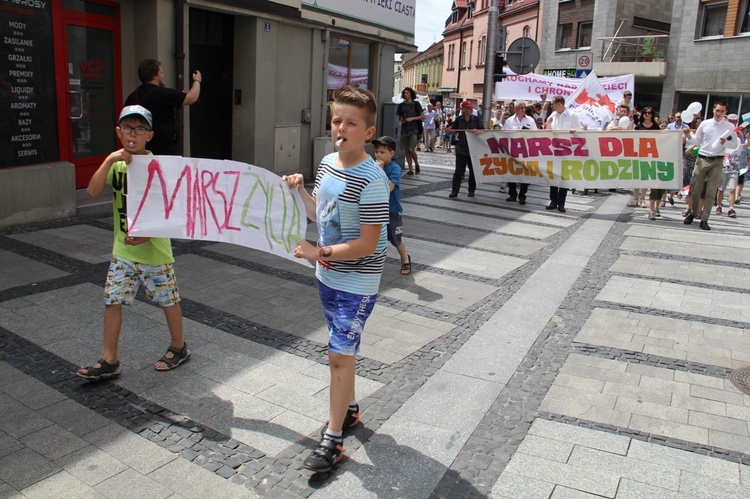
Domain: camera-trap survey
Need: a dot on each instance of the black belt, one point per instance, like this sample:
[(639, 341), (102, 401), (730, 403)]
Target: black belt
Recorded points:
[(710, 158)]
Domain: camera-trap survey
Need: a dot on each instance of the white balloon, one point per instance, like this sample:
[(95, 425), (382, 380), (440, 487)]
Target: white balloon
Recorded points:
[(694, 107), (687, 117), (624, 122), (732, 144)]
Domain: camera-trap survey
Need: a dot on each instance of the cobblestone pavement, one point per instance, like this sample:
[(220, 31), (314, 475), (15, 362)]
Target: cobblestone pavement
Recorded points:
[(529, 354)]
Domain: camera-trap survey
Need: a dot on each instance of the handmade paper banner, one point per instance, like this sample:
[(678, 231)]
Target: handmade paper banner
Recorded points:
[(530, 86), (580, 160), (214, 200)]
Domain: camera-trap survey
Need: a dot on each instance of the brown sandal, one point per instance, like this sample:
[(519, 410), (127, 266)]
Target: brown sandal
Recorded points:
[(179, 356), (104, 371)]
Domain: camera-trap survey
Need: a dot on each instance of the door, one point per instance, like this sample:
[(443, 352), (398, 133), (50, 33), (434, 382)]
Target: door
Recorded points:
[(89, 76), (211, 53)]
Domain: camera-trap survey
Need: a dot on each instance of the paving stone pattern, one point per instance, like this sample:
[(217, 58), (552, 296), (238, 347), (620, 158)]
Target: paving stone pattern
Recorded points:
[(624, 393)]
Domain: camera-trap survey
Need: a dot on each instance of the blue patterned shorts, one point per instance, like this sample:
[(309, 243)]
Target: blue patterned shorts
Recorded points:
[(346, 314), (125, 277)]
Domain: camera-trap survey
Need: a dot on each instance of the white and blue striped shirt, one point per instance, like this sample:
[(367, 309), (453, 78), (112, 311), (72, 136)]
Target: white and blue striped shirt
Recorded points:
[(345, 199)]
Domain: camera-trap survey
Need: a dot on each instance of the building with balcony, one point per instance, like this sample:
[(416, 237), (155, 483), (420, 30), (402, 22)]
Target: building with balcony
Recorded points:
[(461, 72), (613, 32), (465, 43), (679, 51), (705, 57)]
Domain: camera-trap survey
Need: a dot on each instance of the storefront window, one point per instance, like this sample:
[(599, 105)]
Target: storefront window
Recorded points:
[(348, 64)]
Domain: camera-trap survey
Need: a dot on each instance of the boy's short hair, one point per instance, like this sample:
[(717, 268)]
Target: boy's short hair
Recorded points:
[(357, 97), (140, 113), (148, 69), (385, 141)]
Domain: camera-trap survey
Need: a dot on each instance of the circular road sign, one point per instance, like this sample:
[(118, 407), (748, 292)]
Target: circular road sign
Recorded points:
[(523, 55), (584, 62)]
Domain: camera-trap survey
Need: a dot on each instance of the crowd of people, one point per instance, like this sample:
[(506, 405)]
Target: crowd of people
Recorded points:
[(718, 175), (355, 203), (708, 168)]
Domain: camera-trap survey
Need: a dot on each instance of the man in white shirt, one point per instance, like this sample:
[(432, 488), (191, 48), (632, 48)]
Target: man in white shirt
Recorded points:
[(519, 121), (561, 119), (439, 123), (710, 161), (430, 128), (498, 119)]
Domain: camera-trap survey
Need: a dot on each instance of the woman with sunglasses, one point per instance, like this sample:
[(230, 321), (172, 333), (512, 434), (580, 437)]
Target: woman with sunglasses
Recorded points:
[(650, 122)]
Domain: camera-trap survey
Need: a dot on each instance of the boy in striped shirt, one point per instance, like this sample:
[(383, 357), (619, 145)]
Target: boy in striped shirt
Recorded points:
[(349, 203)]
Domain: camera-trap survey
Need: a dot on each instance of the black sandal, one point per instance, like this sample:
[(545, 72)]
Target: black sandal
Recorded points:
[(325, 456), (106, 370), (180, 356), (406, 267)]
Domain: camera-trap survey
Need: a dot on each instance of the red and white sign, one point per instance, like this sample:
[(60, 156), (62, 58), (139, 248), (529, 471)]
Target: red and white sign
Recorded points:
[(584, 61)]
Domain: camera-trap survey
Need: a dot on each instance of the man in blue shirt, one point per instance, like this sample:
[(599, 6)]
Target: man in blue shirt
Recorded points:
[(677, 124)]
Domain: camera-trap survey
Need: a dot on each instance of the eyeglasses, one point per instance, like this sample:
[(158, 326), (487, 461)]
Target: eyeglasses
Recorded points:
[(139, 130), (648, 112), (627, 95)]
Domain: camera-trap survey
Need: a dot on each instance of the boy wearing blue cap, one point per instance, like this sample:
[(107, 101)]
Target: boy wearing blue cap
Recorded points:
[(135, 260)]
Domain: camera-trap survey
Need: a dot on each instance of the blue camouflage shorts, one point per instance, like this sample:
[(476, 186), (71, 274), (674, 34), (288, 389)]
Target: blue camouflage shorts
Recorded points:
[(346, 314), (395, 228), (125, 277)]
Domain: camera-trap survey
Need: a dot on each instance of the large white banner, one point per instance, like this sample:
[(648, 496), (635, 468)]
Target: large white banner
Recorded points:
[(215, 200), (580, 159), (398, 15), (530, 86)]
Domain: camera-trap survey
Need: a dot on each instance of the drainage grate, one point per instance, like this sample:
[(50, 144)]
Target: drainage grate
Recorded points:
[(741, 379)]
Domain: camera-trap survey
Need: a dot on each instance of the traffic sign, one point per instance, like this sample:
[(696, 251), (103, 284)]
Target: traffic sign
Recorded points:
[(522, 55), (585, 61), (582, 73)]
